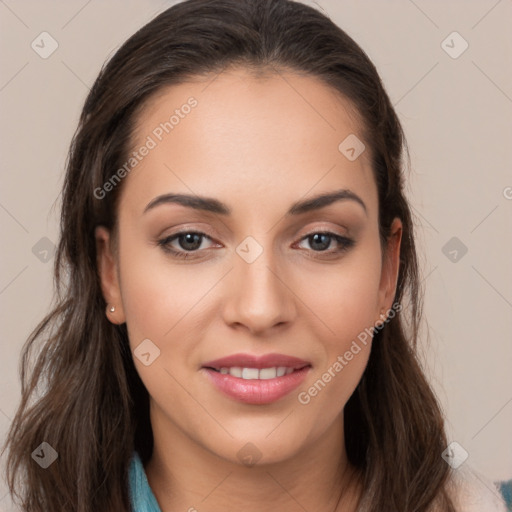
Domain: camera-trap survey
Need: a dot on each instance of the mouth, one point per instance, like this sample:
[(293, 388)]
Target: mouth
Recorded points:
[(257, 380), (255, 373)]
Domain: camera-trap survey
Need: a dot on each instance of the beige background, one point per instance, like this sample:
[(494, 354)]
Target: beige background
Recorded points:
[(457, 117)]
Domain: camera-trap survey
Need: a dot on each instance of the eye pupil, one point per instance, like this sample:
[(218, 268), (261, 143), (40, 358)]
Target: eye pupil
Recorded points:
[(190, 241), (322, 239)]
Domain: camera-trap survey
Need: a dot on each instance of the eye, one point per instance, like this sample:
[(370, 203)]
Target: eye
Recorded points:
[(321, 241), (187, 242)]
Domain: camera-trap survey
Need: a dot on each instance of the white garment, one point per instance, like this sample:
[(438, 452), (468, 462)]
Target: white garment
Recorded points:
[(472, 492)]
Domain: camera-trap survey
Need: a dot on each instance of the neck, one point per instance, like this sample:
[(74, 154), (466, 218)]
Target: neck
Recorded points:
[(187, 476)]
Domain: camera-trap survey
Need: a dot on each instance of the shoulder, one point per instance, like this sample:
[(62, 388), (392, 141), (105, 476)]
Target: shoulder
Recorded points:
[(473, 492)]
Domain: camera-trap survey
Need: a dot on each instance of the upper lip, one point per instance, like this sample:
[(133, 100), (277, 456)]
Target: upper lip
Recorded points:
[(251, 361)]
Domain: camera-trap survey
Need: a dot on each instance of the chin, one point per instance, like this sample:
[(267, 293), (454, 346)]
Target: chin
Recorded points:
[(260, 449)]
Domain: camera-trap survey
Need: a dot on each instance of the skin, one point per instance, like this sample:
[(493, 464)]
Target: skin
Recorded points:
[(257, 144)]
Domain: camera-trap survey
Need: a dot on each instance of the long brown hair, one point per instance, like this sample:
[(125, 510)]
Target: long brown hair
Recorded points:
[(81, 393)]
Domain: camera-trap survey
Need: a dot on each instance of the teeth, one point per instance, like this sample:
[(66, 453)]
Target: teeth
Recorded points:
[(268, 373), (255, 373), (236, 371), (250, 373)]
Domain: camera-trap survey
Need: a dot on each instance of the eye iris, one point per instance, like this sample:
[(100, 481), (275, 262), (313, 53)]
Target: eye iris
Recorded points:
[(320, 239), (190, 241)]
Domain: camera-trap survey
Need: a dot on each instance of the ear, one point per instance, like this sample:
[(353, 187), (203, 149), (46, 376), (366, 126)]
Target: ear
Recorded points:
[(109, 275), (390, 269)]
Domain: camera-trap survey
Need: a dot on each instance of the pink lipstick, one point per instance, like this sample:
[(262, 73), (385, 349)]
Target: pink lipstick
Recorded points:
[(257, 380)]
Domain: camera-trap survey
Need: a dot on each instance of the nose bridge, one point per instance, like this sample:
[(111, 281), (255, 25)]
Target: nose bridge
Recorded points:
[(258, 297)]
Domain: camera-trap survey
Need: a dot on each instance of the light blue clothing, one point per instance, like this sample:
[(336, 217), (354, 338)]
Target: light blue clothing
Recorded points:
[(142, 498), (506, 492)]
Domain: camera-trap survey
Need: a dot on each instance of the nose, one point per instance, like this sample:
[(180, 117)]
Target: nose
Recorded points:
[(258, 296)]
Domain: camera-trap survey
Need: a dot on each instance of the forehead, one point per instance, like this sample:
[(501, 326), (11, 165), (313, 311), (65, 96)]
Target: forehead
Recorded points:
[(250, 137)]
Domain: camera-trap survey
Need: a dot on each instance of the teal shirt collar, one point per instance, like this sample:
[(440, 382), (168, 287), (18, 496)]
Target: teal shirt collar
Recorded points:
[(143, 499), (141, 495)]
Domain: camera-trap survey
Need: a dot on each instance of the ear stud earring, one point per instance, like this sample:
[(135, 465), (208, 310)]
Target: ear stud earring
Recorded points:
[(111, 308)]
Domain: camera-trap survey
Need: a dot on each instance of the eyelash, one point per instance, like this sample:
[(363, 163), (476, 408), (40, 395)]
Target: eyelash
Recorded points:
[(164, 243)]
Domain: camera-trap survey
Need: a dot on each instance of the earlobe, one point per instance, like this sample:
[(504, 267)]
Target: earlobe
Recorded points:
[(108, 275)]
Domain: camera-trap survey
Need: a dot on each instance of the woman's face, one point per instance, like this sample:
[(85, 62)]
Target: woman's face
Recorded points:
[(256, 283)]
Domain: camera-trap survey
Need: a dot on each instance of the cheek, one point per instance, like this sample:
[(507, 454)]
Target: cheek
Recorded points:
[(159, 295), (345, 302), (345, 298), (161, 300)]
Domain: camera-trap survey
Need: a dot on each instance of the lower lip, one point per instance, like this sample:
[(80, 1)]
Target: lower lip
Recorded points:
[(256, 391)]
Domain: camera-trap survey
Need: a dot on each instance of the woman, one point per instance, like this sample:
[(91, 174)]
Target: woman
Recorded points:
[(238, 299)]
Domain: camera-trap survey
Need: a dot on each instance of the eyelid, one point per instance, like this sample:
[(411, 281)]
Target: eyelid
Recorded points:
[(330, 228), (190, 229), (209, 234)]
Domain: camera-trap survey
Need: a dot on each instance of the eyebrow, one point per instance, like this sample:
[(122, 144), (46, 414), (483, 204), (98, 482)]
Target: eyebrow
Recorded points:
[(212, 205)]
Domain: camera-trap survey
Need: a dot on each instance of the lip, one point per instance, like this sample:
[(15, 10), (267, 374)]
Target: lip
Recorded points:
[(251, 361), (256, 391)]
